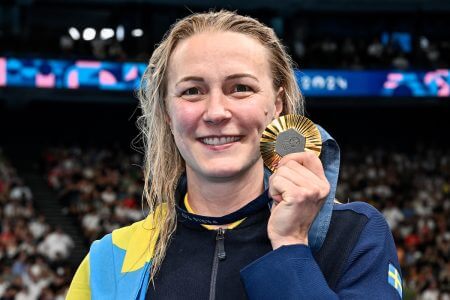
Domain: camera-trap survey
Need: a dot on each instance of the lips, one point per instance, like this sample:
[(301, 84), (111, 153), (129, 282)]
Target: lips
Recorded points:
[(219, 140)]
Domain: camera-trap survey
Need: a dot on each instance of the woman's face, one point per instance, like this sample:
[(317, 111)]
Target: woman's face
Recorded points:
[(220, 99)]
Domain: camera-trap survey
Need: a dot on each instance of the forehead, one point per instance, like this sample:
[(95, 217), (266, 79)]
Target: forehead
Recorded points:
[(219, 52)]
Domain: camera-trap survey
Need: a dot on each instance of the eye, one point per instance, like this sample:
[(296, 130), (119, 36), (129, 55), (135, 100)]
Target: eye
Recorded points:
[(242, 88), (191, 92)]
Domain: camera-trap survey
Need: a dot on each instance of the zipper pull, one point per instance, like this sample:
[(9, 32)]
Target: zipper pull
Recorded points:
[(220, 239)]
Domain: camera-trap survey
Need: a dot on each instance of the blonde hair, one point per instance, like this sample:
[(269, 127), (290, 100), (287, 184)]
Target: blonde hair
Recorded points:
[(163, 164)]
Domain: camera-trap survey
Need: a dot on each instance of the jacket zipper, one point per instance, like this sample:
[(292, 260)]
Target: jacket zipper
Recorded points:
[(219, 255)]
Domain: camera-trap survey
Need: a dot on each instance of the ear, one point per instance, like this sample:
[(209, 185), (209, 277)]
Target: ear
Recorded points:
[(279, 102)]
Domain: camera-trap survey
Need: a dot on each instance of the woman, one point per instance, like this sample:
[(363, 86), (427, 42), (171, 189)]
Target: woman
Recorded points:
[(221, 226)]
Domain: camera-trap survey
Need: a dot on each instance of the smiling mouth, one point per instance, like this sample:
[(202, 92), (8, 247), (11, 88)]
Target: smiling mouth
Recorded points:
[(219, 140)]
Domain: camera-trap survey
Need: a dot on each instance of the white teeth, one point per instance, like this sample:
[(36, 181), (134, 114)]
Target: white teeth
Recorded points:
[(220, 140)]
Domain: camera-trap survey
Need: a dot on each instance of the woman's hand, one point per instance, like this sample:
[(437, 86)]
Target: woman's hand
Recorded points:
[(298, 188)]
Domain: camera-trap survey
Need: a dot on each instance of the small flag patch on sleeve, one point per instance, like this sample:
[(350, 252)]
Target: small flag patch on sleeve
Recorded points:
[(395, 279)]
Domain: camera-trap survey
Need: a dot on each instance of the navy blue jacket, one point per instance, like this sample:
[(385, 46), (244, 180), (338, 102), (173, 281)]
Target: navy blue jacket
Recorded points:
[(357, 260)]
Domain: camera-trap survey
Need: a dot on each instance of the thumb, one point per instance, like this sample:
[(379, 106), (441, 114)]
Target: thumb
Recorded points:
[(277, 199)]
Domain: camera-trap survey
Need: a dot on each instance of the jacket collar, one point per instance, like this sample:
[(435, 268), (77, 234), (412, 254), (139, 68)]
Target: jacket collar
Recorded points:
[(257, 204)]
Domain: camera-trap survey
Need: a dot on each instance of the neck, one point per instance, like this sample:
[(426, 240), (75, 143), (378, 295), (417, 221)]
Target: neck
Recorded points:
[(216, 198)]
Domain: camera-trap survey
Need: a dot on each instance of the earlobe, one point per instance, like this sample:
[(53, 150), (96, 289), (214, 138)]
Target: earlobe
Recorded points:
[(279, 102)]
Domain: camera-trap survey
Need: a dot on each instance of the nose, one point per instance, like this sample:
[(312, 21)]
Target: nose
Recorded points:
[(216, 109)]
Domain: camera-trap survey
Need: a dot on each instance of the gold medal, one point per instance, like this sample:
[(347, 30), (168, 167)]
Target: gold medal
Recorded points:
[(289, 134)]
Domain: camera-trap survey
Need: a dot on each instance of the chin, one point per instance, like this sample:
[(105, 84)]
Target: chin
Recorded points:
[(223, 173), (227, 170)]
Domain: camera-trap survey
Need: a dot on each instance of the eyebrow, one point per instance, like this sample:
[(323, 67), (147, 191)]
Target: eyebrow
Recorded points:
[(190, 78), (240, 75), (200, 79)]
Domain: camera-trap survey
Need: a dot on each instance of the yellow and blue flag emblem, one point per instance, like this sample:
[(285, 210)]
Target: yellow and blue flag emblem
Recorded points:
[(395, 279)]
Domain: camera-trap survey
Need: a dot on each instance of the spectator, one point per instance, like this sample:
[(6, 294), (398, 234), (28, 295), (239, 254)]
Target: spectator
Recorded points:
[(400, 62), (393, 215), (20, 192), (56, 246), (375, 49), (38, 227)]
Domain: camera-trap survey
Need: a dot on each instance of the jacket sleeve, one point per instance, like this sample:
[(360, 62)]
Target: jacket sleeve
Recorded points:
[(79, 288), (371, 271)]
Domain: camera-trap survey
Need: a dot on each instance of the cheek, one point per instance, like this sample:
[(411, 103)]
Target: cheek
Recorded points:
[(257, 119), (271, 114), (183, 119)]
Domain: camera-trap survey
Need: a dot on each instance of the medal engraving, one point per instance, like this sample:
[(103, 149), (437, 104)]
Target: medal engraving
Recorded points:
[(290, 141), (289, 134)]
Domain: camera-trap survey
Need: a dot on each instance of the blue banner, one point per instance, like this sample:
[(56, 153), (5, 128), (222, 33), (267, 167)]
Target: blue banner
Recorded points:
[(99, 75), (78, 74), (336, 83)]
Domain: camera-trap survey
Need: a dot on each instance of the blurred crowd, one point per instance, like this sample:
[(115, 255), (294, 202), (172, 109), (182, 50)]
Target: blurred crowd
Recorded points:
[(370, 53), (33, 255), (413, 192), (101, 188)]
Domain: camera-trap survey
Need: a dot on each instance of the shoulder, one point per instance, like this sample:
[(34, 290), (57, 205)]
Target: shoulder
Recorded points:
[(358, 224), (359, 219), (350, 224), (119, 237), (361, 208), (353, 222), (363, 224), (129, 248), (139, 232), (362, 211)]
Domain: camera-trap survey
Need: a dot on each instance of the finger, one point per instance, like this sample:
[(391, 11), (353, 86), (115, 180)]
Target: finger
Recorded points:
[(314, 189), (300, 175), (278, 185), (307, 159), (276, 199), (283, 190), (303, 177)]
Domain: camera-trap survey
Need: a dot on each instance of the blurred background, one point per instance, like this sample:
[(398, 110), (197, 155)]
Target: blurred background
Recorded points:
[(375, 74)]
